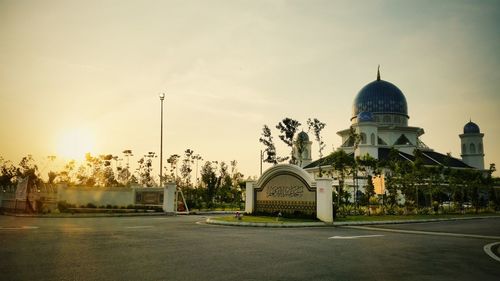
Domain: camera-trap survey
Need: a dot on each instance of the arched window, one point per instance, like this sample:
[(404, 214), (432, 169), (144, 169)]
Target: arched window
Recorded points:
[(372, 139), (464, 148), (480, 148), (387, 119), (377, 119), (363, 138), (396, 119), (472, 148)]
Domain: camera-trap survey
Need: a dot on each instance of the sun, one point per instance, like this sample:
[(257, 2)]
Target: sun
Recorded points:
[(74, 143)]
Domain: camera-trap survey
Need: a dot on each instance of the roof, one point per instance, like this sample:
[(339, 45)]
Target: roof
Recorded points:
[(380, 96), (430, 158), (471, 128)]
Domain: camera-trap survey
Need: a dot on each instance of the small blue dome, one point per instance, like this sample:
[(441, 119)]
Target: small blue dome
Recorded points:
[(365, 117), (380, 96), (471, 128), (303, 136)]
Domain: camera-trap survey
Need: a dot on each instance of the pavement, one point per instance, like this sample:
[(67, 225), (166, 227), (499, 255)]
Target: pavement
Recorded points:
[(187, 248)]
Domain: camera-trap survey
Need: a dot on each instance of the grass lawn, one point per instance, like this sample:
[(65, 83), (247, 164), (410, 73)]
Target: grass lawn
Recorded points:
[(264, 219), (247, 218), (409, 217)]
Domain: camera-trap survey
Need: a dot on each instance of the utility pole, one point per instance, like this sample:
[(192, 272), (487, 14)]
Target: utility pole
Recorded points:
[(162, 97)]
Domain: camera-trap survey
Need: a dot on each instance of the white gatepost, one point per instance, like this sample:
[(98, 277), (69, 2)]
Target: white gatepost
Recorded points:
[(169, 198), (324, 208), (249, 197)]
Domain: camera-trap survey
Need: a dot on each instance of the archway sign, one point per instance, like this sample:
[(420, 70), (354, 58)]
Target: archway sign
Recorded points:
[(286, 188)]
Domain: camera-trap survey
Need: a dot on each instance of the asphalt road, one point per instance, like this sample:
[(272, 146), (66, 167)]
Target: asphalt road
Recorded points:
[(179, 248)]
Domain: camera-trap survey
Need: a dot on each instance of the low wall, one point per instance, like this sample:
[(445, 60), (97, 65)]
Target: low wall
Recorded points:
[(81, 196)]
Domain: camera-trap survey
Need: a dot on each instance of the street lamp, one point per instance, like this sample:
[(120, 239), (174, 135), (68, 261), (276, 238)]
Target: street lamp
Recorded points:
[(162, 97)]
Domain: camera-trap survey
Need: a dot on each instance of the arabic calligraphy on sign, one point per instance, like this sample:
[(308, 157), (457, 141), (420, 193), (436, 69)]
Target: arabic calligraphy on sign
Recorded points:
[(285, 191)]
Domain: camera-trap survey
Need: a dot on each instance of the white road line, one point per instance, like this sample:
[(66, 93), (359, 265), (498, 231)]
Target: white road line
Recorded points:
[(355, 237), (461, 235), (76, 229), (19, 228), (139, 226), (489, 252)]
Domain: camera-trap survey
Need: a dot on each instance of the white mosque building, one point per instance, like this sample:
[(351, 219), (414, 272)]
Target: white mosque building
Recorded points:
[(380, 117)]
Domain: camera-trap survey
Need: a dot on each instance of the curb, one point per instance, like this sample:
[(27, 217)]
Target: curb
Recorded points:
[(87, 215), (323, 224), (268, 224)]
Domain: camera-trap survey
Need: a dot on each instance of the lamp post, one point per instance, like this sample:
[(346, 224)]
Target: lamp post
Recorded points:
[(162, 97)]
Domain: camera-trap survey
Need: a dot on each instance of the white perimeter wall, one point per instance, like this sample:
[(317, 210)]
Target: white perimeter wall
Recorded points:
[(80, 196)]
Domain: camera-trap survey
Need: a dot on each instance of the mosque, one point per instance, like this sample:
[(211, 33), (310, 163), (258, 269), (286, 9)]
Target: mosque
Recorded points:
[(380, 118)]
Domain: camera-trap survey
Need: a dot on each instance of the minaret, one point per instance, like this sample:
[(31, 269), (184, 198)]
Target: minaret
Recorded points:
[(368, 131), (472, 146), (303, 144)]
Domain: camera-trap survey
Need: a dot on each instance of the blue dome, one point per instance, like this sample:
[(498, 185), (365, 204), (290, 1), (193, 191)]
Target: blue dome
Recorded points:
[(380, 96), (303, 136), (471, 128)]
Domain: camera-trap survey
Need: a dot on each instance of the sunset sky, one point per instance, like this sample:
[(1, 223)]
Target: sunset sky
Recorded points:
[(80, 76)]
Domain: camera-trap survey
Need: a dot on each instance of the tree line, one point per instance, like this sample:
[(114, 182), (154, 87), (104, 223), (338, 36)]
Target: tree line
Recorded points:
[(422, 186), (214, 183)]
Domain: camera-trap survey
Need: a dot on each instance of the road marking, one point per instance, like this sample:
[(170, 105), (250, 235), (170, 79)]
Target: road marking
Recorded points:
[(427, 232), (19, 228), (489, 252), (355, 237), (76, 229), (139, 226)]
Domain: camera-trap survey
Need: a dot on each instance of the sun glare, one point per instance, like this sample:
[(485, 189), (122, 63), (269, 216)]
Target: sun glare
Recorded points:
[(74, 144)]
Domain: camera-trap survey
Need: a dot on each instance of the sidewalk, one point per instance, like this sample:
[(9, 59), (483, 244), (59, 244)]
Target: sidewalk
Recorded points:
[(111, 214)]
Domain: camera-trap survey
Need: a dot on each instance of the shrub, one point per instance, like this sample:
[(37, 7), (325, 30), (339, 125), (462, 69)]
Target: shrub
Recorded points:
[(424, 211), (91, 205), (63, 206), (362, 211), (373, 200)]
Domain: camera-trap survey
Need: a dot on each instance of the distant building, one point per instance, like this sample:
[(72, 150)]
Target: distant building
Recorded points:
[(380, 119)]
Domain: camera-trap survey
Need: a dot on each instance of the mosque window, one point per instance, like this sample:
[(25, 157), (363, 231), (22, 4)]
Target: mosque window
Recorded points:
[(363, 138), (372, 139), (464, 148), (397, 119), (480, 148), (472, 148), (387, 119), (377, 119)]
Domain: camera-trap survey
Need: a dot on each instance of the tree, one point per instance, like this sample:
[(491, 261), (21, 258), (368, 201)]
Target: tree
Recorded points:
[(67, 174), (300, 146), (341, 163), (7, 174), (209, 178), (288, 128), (123, 174), (28, 168), (225, 183), (355, 137), (145, 168), (270, 150), (186, 167), (173, 160), (197, 157), (317, 126), (367, 165)]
